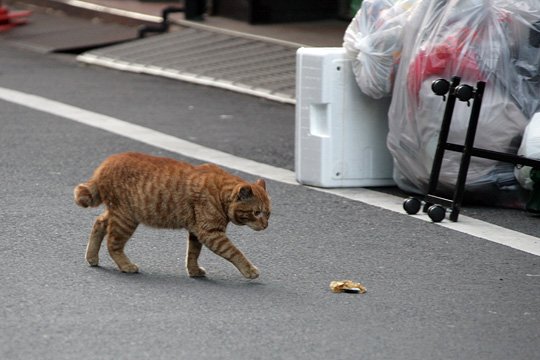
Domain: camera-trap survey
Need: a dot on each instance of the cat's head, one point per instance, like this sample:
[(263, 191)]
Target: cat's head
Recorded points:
[(250, 205)]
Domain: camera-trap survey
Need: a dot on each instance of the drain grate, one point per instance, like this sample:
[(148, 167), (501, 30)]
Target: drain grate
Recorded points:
[(246, 65)]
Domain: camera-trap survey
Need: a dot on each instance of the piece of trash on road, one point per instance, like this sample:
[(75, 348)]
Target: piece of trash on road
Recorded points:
[(347, 286)]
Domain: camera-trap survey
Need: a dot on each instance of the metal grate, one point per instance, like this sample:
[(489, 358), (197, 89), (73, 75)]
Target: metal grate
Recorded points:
[(206, 57)]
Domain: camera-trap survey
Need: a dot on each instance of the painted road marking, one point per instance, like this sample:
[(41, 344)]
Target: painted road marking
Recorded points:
[(467, 225)]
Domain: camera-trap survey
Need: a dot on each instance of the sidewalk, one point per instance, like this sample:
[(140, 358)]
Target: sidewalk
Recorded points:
[(258, 60), (316, 33)]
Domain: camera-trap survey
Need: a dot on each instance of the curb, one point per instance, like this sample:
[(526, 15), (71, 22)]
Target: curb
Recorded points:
[(92, 11)]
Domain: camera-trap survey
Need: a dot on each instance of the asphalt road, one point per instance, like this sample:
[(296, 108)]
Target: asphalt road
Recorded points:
[(433, 293)]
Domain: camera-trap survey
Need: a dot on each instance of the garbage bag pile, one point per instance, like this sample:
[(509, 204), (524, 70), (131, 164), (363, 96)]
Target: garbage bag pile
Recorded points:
[(401, 46)]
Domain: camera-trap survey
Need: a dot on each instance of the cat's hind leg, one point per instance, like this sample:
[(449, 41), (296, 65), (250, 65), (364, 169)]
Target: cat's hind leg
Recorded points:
[(192, 255), (119, 230), (99, 230)]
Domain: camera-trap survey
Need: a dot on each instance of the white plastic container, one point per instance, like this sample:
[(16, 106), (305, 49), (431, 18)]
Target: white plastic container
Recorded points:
[(340, 132)]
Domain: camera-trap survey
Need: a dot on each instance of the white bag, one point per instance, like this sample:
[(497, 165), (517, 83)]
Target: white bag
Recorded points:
[(373, 39)]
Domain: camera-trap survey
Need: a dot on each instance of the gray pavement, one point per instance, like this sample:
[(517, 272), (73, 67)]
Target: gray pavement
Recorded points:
[(433, 293)]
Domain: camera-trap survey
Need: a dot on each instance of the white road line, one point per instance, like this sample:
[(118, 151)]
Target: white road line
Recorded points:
[(147, 136), (467, 225)]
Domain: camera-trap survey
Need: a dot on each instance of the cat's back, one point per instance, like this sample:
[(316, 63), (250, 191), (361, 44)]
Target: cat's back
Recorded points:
[(152, 190), (140, 162), (128, 174), (138, 166)]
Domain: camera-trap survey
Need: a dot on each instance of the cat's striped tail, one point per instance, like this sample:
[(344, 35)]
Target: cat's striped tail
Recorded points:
[(87, 195)]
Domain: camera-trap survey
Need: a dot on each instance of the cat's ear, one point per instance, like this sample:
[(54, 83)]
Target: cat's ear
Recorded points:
[(244, 193), (261, 183)]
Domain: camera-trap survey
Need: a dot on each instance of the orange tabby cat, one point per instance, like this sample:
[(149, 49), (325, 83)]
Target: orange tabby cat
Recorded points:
[(166, 193)]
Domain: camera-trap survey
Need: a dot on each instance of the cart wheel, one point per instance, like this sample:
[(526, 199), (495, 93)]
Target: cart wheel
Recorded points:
[(412, 205), (436, 213), (440, 87)]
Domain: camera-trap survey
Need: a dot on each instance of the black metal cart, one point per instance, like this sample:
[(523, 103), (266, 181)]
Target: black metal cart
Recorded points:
[(435, 206)]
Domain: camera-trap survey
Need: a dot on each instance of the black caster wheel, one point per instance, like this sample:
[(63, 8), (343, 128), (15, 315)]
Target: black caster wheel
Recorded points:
[(436, 213), (464, 92), (412, 205), (440, 87)]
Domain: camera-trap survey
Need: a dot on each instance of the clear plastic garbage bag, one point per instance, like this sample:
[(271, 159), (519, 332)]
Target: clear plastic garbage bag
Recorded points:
[(374, 39), (478, 40), (530, 148)]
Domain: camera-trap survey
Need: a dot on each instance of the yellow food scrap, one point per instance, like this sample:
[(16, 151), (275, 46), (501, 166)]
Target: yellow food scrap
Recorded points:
[(347, 286)]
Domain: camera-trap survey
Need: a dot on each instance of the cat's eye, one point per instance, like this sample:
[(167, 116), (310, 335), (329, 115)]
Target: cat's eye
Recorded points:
[(257, 213)]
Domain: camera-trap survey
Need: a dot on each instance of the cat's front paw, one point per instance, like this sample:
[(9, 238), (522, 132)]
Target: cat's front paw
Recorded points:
[(129, 268), (196, 272), (251, 273), (92, 261)]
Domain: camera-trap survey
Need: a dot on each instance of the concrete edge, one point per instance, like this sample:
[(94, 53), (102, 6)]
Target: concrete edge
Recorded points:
[(91, 11), (191, 78)]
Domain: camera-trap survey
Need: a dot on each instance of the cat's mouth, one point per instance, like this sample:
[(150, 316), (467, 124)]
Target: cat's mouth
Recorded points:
[(258, 227)]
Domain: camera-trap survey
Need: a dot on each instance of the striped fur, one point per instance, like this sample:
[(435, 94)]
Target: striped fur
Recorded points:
[(165, 193)]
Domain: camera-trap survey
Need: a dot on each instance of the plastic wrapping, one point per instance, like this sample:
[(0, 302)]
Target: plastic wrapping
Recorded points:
[(478, 40), (530, 148), (373, 39)]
